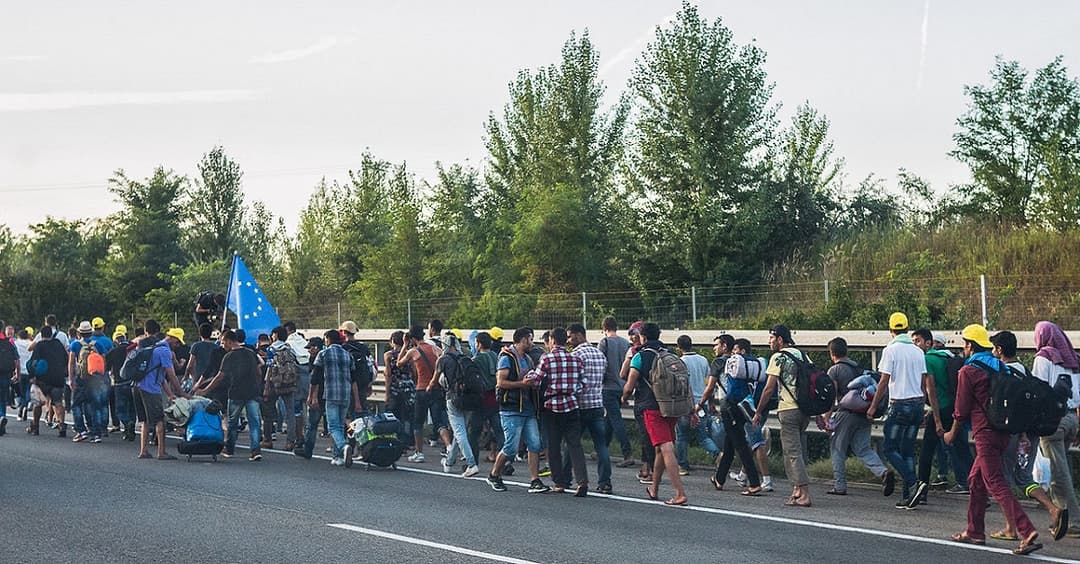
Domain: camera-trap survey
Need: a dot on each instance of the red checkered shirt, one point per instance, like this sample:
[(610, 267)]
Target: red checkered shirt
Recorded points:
[(594, 365), (560, 373)]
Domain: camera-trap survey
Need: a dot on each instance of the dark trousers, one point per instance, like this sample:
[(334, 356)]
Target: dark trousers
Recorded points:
[(476, 420), (648, 452), (735, 442), (959, 452), (565, 427), (613, 419)]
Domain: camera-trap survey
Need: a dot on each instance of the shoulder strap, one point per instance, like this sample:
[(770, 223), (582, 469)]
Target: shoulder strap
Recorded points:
[(423, 357)]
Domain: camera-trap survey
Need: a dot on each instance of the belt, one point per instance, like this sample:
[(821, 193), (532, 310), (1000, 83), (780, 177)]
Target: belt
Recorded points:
[(908, 400)]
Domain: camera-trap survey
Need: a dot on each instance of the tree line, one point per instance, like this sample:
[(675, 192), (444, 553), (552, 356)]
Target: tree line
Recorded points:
[(687, 179)]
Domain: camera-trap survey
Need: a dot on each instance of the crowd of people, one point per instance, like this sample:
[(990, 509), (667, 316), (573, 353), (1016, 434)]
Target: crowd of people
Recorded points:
[(531, 401)]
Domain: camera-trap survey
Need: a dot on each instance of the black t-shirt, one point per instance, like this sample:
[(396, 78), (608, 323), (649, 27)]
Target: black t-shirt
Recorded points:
[(203, 351), (114, 359), (52, 352), (643, 394), (241, 367)]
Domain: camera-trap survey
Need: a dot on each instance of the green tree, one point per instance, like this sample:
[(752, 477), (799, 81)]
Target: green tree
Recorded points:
[(1020, 138), (214, 209), (700, 139)]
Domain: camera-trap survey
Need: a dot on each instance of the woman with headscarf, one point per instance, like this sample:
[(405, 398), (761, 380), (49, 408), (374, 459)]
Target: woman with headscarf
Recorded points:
[(1057, 363)]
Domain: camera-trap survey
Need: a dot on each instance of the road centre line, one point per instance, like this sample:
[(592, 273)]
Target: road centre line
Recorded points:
[(429, 544)]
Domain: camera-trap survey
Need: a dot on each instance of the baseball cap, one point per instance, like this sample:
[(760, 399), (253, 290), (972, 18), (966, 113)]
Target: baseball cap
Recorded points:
[(939, 338), (85, 328), (176, 333), (120, 330), (635, 327), (349, 327), (496, 333), (783, 332), (977, 334), (898, 321), (30, 331), (97, 323)]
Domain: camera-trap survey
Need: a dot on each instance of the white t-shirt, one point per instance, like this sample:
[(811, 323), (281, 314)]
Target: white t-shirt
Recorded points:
[(1048, 372), (905, 364)]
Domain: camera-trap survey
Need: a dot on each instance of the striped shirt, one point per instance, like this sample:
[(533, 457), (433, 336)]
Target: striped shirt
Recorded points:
[(594, 367)]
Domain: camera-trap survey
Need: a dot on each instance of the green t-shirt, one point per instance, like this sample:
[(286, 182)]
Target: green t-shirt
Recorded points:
[(935, 367), (487, 361)]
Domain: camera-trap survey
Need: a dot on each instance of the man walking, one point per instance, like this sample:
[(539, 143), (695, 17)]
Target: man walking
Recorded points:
[(339, 390), (159, 382), (591, 402), (937, 366), (240, 369), (518, 408), (560, 376), (615, 348)]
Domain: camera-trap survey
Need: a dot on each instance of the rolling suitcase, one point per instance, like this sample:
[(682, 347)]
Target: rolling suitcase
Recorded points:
[(203, 436)]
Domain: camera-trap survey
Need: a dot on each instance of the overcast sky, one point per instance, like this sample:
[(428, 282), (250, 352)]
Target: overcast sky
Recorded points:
[(297, 93)]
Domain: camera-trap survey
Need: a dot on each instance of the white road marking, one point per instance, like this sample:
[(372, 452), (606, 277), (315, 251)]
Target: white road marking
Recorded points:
[(429, 544)]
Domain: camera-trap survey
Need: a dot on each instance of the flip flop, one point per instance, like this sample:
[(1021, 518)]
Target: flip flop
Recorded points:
[(144, 456), (716, 483), (794, 502), (1061, 525), (1027, 548), (1002, 536), (752, 492), (673, 502), (648, 492), (962, 538)]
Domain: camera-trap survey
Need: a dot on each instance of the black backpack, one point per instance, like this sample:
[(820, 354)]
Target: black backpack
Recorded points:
[(815, 391), (1021, 403), (139, 363), (466, 386), (9, 356), (363, 370), (953, 364)]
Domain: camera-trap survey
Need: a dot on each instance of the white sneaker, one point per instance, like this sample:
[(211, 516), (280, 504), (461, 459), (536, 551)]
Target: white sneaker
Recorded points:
[(446, 468), (337, 462), (739, 478), (766, 484), (431, 443), (416, 457), (471, 471)]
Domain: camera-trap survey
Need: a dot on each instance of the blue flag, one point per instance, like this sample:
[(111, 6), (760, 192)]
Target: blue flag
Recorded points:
[(254, 314)]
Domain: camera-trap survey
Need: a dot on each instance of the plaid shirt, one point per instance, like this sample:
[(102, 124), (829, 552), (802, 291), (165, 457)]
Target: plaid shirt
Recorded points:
[(594, 366), (561, 374), (337, 365)]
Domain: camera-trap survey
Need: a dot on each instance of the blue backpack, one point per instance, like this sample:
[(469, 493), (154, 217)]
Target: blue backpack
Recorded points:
[(204, 427)]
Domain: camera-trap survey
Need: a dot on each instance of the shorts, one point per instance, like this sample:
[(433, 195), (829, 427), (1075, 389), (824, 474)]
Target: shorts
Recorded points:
[(149, 407), (754, 436), (661, 429), (515, 426), (54, 394), (430, 403)]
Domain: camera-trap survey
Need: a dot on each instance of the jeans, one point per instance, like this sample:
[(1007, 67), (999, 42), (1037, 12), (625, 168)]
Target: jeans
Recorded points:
[(704, 437), (565, 427), (489, 415), (901, 430), (431, 403), (274, 412), (90, 405), (5, 397), (793, 425), (614, 422), (460, 446), (302, 387), (959, 452), (335, 420), (594, 421), (251, 411), (312, 431), (1056, 449), (735, 442), (988, 478), (125, 405), (852, 430), (517, 427)]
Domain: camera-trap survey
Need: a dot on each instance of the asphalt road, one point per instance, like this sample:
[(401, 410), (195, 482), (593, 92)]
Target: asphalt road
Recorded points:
[(65, 502)]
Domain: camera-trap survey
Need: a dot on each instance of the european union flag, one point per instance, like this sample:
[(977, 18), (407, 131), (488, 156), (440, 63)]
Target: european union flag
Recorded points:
[(254, 314)]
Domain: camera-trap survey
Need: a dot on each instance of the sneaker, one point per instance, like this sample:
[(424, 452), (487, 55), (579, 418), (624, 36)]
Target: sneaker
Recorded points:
[(3, 426), (958, 490), (416, 457), (519, 458), (508, 469), (471, 471), (538, 486), (905, 504), (684, 471), (447, 468), (939, 482), (432, 443), (739, 478), (337, 462), (644, 480), (96, 439), (888, 483), (582, 490), (545, 471), (255, 457), (604, 489), (228, 453), (80, 437), (920, 491), (496, 483), (766, 484)]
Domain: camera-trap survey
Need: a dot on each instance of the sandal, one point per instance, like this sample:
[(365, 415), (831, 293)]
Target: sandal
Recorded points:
[(794, 502), (752, 492), (716, 484), (835, 491), (673, 502), (145, 456), (1028, 546), (963, 538), (1003, 536), (652, 496), (1061, 525)]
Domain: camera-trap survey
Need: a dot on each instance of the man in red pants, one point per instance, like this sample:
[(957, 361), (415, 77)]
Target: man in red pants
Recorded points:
[(987, 473)]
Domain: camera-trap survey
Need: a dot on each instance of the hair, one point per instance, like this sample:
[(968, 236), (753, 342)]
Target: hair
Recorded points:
[(280, 333), (46, 332), (241, 335), (151, 327), (484, 340), (685, 343), (728, 340), (923, 334), (650, 331), (1007, 341), (231, 336), (976, 347), (332, 337), (744, 343), (545, 336), (397, 337), (559, 335), (289, 326), (436, 324), (50, 320), (576, 328), (206, 330), (609, 324), (521, 333), (219, 299), (838, 347), (417, 333), (22, 334)]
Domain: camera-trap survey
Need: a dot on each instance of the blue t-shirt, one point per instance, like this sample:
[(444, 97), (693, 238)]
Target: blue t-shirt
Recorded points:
[(76, 346), (527, 407), (160, 361)]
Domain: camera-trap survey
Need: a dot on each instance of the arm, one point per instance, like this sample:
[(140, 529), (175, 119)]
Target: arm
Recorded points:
[(387, 369), (930, 389), (71, 370), (356, 396), (763, 407), (883, 385), (962, 405), (190, 368), (214, 382), (405, 358), (624, 372), (631, 381), (170, 376)]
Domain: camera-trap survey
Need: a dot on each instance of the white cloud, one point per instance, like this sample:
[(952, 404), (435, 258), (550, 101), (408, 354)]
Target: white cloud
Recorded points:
[(29, 102), (633, 48), (21, 58), (323, 44)]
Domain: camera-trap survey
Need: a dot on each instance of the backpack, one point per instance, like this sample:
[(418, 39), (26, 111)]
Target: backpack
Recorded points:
[(8, 357), (466, 385), (815, 391), (90, 361), (206, 299), (363, 370), (953, 364), (670, 384), (284, 371), (138, 365), (1021, 403)]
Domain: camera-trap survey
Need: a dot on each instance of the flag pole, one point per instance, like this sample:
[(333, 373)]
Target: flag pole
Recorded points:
[(228, 288)]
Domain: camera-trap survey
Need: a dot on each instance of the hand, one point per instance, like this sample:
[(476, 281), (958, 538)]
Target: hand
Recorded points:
[(820, 421), (313, 402), (266, 397), (694, 419), (756, 420), (870, 413), (940, 429), (950, 436)]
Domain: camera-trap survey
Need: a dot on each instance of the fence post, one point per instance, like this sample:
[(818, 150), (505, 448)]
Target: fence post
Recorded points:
[(826, 291), (584, 311), (408, 306), (982, 291), (175, 319), (339, 314), (693, 303)]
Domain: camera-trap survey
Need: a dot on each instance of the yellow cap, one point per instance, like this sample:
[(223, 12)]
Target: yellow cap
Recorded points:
[(176, 333), (977, 334), (120, 330), (30, 331), (496, 333), (98, 323), (898, 321), (458, 333)]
